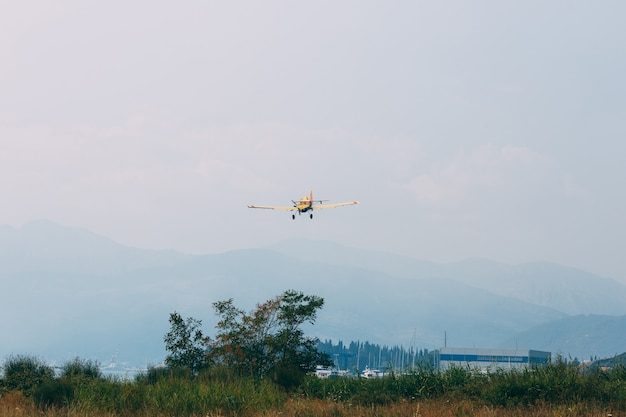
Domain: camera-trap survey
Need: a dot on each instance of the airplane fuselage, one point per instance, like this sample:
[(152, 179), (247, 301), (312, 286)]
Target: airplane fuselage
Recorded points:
[(303, 208), (305, 204)]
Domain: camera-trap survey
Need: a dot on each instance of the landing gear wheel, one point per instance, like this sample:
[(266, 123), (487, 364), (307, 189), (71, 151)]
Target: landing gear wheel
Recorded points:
[(293, 217), (311, 216)]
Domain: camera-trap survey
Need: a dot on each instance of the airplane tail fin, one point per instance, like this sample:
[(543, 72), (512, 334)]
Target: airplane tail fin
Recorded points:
[(311, 195)]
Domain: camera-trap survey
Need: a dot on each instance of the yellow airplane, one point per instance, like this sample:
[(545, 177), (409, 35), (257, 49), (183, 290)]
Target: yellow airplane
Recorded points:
[(305, 204)]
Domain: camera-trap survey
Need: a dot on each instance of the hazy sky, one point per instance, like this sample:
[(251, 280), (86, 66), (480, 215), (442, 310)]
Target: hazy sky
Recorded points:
[(492, 129)]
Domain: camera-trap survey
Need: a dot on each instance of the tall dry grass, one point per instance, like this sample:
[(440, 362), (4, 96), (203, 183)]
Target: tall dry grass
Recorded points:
[(16, 405)]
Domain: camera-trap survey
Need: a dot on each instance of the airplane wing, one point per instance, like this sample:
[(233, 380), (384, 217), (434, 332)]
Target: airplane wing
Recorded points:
[(325, 206), (274, 208)]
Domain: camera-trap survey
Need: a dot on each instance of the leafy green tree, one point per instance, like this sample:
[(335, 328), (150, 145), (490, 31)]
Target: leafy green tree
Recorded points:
[(269, 341), (185, 344), (241, 343)]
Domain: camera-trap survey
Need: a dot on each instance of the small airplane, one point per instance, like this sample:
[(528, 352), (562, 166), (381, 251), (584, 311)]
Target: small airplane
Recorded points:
[(306, 203)]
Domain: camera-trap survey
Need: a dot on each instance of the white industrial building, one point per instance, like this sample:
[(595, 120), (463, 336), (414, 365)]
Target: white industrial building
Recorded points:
[(488, 360)]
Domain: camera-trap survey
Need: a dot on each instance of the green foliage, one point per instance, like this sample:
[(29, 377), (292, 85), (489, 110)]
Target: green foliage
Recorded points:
[(422, 383), (557, 384), (81, 369), (166, 393), (185, 344), (154, 374), (60, 392), (239, 345), (269, 341), (24, 373), (55, 393), (215, 391), (288, 375)]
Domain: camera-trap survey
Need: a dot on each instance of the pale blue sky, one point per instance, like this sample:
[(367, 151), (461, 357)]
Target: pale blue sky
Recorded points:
[(490, 129)]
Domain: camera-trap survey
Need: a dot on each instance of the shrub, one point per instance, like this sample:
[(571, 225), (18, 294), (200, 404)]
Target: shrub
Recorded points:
[(24, 373), (288, 376), (422, 383), (55, 393), (80, 369)]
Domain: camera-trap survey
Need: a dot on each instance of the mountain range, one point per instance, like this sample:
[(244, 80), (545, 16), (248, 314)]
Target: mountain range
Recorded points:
[(68, 292)]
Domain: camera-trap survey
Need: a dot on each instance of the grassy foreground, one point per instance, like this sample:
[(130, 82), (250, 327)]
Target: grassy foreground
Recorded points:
[(16, 405), (556, 390)]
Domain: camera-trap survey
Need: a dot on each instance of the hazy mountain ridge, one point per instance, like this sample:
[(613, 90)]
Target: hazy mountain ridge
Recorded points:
[(582, 333), (44, 245), (112, 296), (547, 284), (260, 274)]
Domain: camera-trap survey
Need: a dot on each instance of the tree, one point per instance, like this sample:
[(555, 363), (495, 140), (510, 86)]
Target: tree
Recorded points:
[(186, 344), (268, 341), (241, 343), (294, 353)]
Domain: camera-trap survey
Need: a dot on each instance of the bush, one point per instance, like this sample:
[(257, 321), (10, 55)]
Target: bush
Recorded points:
[(80, 369), (53, 393), (155, 374), (422, 383), (288, 376), (24, 373)]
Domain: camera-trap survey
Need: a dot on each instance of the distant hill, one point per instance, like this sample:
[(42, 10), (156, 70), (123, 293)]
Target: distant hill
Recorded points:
[(558, 287), (74, 293), (361, 304), (581, 336), (566, 289), (47, 246)]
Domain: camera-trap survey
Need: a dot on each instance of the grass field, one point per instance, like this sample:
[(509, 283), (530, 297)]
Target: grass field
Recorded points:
[(16, 405), (555, 390)]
